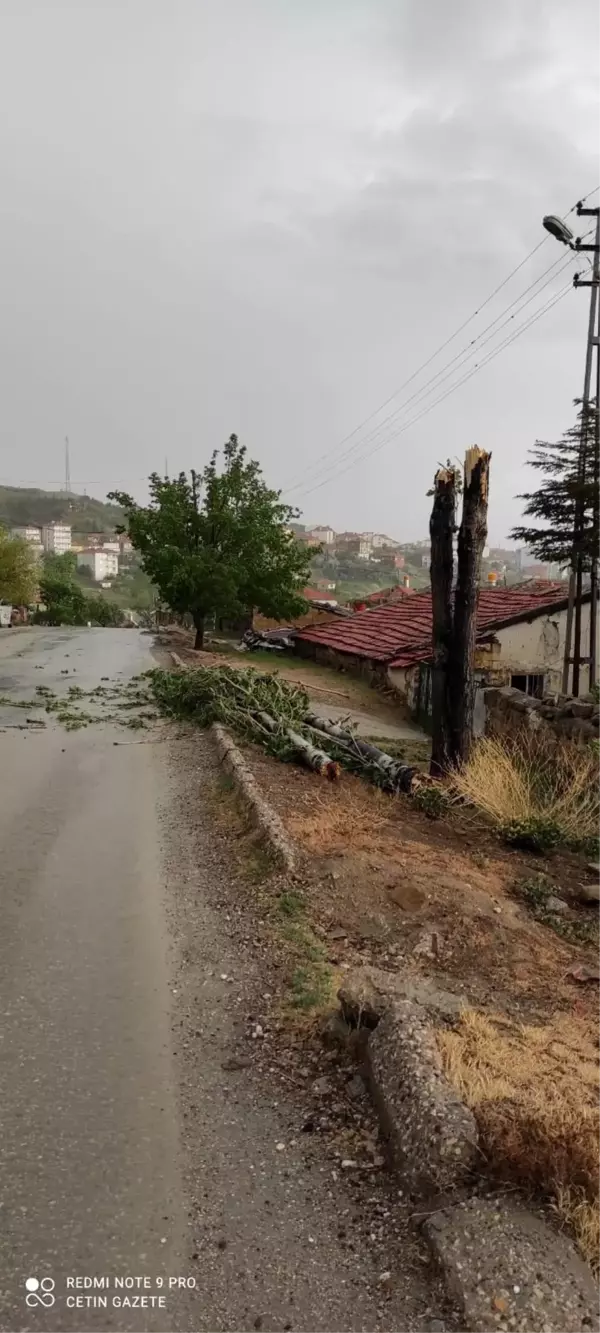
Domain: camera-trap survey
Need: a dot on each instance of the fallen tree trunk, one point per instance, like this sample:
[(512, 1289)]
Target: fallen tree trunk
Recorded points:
[(396, 775), (317, 760)]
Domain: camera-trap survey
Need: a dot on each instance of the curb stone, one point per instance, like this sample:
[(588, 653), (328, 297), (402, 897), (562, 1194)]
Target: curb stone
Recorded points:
[(509, 1271), (262, 813), (432, 1135), (263, 816), (505, 1267)]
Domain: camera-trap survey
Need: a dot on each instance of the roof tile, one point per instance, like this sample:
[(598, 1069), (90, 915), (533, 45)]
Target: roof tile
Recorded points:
[(400, 633)]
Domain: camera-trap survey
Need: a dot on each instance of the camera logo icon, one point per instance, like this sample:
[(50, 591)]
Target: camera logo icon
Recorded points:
[(40, 1293)]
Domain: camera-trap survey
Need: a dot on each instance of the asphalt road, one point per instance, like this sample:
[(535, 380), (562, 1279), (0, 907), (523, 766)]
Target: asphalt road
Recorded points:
[(138, 1151), (89, 1163)]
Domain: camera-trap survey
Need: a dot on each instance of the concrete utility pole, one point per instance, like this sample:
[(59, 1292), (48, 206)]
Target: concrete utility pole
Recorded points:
[(572, 656)]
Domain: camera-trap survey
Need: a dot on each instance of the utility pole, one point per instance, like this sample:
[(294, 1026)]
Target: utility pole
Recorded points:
[(573, 656), (67, 467)]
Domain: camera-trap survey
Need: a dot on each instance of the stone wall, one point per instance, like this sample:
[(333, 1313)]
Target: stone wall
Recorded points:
[(508, 711)]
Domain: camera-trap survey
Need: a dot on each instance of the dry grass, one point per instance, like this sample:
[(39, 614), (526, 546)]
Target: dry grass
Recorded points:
[(525, 779), (534, 1094)]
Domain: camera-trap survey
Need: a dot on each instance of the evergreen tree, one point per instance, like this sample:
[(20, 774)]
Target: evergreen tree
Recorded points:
[(553, 505)]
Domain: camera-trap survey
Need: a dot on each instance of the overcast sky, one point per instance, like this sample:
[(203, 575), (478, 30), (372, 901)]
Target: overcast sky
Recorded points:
[(262, 216)]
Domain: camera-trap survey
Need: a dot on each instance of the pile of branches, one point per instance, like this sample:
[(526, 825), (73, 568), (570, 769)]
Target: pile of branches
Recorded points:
[(275, 713)]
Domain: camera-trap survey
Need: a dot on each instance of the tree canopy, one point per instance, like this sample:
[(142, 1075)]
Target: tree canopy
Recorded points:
[(217, 543), (65, 601), (553, 504), (18, 570)]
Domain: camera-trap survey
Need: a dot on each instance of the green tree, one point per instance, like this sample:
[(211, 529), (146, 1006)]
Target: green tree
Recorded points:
[(64, 600), (218, 544), (101, 611), (18, 571), (554, 503)]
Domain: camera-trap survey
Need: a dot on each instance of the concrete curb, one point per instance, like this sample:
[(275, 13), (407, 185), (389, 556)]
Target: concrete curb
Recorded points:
[(263, 815), (501, 1263), (432, 1135)]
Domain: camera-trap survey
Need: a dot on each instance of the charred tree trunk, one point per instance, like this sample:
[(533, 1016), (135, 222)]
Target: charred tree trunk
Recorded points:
[(471, 541), (199, 619), (441, 531)]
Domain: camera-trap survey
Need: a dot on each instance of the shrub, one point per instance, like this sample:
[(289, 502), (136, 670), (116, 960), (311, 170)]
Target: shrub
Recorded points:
[(433, 801), (537, 795), (533, 834)]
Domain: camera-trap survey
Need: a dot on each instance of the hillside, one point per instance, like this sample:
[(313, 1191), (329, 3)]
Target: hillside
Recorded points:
[(20, 505)]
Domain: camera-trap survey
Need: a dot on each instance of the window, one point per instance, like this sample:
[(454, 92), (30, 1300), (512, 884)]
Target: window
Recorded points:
[(529, 684)]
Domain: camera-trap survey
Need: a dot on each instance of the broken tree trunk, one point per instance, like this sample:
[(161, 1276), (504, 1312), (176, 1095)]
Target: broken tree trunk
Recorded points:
[(395, 776), (308, 754), (471, 541), (441, 530)]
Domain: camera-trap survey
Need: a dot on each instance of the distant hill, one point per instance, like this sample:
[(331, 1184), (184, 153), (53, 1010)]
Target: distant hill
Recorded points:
[(20, 505)]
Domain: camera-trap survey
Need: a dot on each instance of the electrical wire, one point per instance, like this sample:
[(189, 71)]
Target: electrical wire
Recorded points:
[(471, 349), (315, 465), (516, 333)]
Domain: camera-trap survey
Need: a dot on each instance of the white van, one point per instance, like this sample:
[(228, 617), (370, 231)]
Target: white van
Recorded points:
[(5, 615)]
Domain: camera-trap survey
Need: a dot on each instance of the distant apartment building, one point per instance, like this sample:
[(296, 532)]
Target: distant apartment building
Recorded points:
[(102, 564), (28, 532), (324, 535), (379, 539), (353, 543), (56, 538)]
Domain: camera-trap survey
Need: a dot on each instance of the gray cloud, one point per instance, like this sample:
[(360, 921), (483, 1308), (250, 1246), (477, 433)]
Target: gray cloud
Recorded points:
[(221, 216)]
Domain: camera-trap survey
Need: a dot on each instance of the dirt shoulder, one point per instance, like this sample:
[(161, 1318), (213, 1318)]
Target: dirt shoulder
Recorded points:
[(293, 1223)]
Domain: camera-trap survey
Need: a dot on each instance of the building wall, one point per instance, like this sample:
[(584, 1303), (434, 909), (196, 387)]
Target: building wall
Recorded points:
[(56, 537), (29, 533), (103, 564), (539, 645)]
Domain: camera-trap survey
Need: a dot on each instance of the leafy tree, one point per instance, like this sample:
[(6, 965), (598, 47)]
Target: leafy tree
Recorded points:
[(217, 544), (64, 600), (101, 611), (553, 505), (18, 570)]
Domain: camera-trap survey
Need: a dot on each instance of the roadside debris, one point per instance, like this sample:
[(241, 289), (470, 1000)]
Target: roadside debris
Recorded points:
[(276, 714)]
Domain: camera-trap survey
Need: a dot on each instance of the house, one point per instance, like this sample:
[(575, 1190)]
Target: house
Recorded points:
[(382, 597), (56, 538), (354, 543), (28, 532), (380, 541), (520, 641), (324, 535), (102, 564)]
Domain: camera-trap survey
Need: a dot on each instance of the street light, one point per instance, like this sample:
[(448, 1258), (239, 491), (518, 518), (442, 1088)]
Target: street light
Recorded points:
[(559, 230)]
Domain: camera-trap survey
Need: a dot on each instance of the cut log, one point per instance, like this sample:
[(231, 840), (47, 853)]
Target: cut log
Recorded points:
[(396, 776)]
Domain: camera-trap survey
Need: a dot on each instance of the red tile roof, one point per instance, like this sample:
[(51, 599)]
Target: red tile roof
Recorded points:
[(400, 633)]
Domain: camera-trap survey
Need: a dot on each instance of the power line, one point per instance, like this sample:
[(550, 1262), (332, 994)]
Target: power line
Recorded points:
[(440, 349), (516, 333), (461, 357)]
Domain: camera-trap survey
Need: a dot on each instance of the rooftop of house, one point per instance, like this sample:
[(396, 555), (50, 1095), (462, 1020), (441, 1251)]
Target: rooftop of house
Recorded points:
[(399, 633)]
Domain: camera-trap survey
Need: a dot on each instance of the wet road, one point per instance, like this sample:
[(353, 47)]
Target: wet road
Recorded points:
[(144, 1138), (89, 1169)]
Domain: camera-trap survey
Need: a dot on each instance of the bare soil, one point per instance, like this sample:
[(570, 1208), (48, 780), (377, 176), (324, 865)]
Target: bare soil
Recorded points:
[(392, 879)]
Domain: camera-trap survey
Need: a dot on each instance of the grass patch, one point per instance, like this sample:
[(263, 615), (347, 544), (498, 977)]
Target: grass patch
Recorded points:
[(533, 1092), (291, 905), (537, 796), (536, 891)]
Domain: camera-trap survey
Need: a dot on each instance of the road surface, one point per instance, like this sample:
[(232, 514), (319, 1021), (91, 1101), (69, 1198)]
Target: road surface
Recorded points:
[(129, 1158)]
